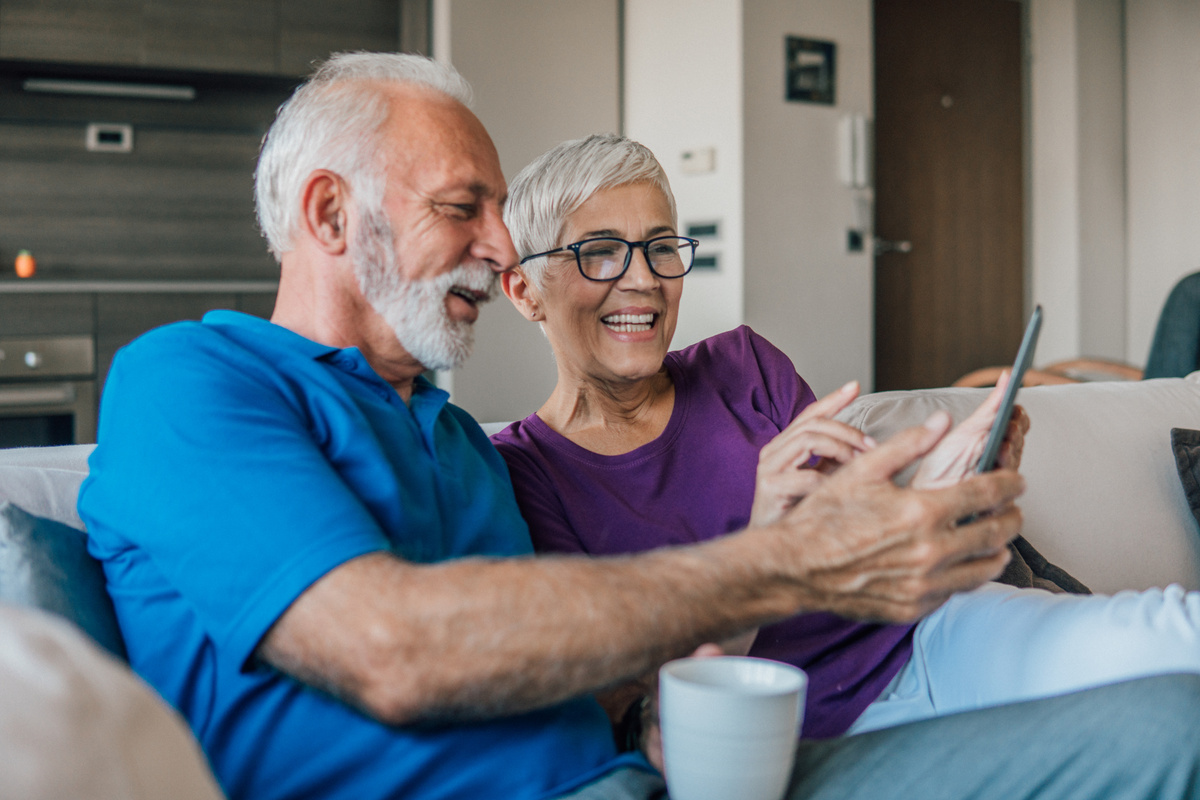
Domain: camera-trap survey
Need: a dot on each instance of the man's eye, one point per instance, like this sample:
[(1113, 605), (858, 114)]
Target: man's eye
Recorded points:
[(463, 210)]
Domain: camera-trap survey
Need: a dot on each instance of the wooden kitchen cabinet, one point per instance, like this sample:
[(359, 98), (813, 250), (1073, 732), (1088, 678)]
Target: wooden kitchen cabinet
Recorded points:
[(309, 30), (280, 37), (47, 314), (211, 35), (260, 304), (95, 31)]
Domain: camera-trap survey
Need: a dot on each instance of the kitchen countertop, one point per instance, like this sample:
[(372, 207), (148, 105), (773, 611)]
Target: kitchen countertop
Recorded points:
[(37, 286)]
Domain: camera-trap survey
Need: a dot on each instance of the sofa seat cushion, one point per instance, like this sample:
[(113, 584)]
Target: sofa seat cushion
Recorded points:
[(45, 564)]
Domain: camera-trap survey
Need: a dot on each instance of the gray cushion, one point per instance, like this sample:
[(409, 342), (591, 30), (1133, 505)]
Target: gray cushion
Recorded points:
[(1185, 444), (45, 564)]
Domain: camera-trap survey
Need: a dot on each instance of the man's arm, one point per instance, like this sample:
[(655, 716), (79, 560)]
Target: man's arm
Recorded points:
[(476, 638)]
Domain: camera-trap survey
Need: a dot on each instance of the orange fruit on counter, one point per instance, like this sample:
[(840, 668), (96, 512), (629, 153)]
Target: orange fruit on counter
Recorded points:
[(25, 264)]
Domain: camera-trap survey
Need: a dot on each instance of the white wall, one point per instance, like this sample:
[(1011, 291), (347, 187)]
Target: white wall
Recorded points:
[(1163, 88), (683, 93), (1115, 174), (804, 291), (1077, 177), (542, 72)]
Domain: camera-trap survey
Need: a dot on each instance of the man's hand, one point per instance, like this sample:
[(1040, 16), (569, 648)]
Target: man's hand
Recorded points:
[(956, 455), (785, 475), (866, 549)]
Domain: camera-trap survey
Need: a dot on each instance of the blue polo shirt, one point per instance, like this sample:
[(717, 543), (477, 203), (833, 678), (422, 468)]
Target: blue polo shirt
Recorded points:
[(238, 463)]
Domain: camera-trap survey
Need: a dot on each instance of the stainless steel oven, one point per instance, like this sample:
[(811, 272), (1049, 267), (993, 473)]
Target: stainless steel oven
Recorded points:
[(47, 390)]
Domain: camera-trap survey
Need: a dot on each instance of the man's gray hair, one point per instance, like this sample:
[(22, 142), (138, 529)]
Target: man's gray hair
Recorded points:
[(555, 184), (331, 122)]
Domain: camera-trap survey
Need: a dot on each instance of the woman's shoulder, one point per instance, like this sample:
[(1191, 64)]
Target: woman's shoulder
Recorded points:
[(519, 436), (740, 368), (741, 347)]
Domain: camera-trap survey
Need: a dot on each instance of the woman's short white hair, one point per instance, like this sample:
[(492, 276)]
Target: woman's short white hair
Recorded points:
[(330, 122), (555, 184)]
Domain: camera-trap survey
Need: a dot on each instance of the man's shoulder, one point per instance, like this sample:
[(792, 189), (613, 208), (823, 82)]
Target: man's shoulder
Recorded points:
[(222, 339)]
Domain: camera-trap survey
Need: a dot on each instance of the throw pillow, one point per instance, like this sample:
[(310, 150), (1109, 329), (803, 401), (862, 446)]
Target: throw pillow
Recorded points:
[(45, 564), (1186, 446), (1029, 569)]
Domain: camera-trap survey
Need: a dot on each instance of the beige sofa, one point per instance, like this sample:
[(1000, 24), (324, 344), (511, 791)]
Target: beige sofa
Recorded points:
[(1104, 501)]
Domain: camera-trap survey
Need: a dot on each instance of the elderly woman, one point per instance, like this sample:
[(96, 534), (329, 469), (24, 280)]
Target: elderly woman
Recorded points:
[(638, 447)]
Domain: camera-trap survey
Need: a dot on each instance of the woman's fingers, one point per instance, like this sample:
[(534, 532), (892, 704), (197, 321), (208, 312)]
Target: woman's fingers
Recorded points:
[(831, 404), (981, 418), (823, 437), (776, 493), (1014, 439)]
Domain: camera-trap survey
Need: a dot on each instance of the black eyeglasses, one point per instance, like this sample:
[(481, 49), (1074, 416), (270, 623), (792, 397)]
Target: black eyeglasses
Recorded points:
[(607, 259)]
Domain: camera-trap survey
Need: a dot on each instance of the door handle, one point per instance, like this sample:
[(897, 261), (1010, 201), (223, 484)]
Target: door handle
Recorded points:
[(887, 246)]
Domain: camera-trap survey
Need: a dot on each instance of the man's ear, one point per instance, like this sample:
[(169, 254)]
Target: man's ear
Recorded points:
[(323, 205), (523, 294)]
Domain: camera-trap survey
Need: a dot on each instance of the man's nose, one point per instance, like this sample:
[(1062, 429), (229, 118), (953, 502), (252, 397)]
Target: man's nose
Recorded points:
[(495, 244)]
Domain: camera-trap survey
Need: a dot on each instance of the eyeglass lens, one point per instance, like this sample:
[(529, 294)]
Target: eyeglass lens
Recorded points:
[(605, 259)]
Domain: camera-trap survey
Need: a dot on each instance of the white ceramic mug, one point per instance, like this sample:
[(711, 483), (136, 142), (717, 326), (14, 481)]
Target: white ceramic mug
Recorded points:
[(729, 726)]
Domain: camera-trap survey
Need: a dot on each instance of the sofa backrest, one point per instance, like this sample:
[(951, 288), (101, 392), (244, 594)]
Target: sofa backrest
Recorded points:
[(1103, 499)]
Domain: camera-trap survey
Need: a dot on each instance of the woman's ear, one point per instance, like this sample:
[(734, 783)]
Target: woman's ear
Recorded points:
[(323, 211), (523, 294)]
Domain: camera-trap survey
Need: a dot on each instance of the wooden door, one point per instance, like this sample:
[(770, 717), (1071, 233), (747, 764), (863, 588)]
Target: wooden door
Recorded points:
[(948, 177)]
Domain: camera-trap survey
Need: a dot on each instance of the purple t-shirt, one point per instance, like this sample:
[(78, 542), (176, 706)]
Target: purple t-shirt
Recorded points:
[(733, 393)]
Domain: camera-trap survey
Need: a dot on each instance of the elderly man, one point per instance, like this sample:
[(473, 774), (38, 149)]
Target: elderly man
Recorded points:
[(321, 564)]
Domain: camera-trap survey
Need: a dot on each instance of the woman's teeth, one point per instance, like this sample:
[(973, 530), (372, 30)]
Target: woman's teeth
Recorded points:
[(629, 323)]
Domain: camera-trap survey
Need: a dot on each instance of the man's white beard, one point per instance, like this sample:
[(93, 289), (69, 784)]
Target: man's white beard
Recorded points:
[(416, 310)]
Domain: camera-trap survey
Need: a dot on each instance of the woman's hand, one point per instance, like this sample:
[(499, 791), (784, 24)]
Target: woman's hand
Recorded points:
[(955, 456), (793, 464)]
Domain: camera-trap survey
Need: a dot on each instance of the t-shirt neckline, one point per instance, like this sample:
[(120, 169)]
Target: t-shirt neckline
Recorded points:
[(660, 444)]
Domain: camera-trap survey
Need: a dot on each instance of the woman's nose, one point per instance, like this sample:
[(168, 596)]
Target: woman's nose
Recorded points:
[(639, 275)]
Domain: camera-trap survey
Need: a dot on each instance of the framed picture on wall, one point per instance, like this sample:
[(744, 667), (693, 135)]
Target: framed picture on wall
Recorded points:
[(810, 70)]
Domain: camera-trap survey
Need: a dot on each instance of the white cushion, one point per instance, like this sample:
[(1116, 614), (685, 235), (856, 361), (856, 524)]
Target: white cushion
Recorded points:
[(45, 480), (1104, 499), (493, 427)]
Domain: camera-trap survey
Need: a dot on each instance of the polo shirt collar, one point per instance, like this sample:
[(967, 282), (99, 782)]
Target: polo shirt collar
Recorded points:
[(275, 334)]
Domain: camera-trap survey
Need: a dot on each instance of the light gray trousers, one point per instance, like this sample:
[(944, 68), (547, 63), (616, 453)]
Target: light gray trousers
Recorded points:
[(1138, 740)]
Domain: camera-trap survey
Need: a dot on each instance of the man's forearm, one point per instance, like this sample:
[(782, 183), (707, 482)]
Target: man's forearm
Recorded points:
[(481, 638)]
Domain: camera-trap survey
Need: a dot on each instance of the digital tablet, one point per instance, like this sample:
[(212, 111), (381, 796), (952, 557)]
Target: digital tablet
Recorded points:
[(991, 450)]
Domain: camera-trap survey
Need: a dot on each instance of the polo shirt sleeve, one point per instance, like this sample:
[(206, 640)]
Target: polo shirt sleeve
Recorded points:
[(210, 473)]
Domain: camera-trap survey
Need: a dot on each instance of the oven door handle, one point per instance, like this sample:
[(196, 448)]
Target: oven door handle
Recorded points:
[(58, 394)]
